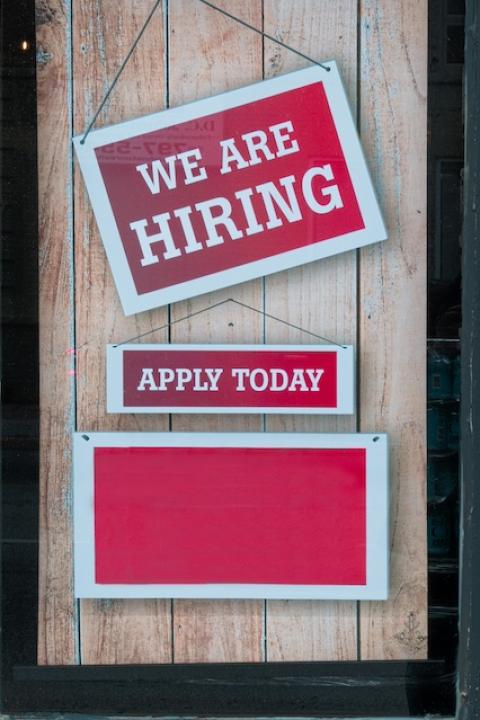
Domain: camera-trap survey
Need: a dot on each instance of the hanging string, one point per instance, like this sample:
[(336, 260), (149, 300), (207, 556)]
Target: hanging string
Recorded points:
[(212, 7), (100, 108), (222, 302), (120, 70), (264, 34)]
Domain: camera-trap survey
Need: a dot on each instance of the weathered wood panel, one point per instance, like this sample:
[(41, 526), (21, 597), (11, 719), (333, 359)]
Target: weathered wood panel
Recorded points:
[(392, 309), (57, 619), (320, 297), (208, 54), (124, 631)]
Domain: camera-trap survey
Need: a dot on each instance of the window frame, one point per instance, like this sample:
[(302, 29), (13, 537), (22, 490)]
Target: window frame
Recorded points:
[(330, 689)]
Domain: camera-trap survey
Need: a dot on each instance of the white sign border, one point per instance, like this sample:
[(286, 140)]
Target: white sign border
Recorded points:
[(377, 584), (345, 380), (374, 230)]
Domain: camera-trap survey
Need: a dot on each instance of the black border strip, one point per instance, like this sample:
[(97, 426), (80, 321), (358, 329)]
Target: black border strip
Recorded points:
[(468, 697), (326, 689)]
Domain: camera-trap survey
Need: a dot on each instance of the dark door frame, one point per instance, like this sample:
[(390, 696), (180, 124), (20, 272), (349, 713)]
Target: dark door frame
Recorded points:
[(468, 688)]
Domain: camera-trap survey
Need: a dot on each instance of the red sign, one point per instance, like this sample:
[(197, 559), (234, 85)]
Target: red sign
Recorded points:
[(230, 188), (306, 379), (256, 515)]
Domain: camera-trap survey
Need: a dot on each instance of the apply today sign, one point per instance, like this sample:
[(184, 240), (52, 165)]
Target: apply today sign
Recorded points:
[(307, 379), (230, 188)]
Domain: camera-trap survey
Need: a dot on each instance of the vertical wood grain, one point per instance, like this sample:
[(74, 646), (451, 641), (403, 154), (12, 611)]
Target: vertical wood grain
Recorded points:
[(321, 297), (392, 309), (208, 54), (57, 616), (121, 631)]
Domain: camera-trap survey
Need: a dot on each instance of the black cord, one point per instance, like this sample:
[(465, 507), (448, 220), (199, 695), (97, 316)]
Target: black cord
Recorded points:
[(237, 302), (212, 7)]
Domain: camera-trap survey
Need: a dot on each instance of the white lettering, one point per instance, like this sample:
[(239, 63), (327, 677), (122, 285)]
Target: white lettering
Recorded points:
[(223, 218), (169, 176), (279, 200), (231, 154), (183, 214), (240, 374), (256, 142), (331, 191), (166, 376), (315, 377), (259, 387), (147, 379), (214, 375), (184, 376), (298, 380), (276, 374), (253, 224), (189, 165), (146, 241), (282, 138), (289, 208), (198, 386)]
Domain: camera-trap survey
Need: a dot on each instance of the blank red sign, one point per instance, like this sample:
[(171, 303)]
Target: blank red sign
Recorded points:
[(188, 515)]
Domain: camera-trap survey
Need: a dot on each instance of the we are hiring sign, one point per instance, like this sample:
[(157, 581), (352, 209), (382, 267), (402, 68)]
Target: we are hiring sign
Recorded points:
[(230, 188)]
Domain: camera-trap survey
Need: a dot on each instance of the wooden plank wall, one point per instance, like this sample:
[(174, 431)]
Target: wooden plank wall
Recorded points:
[(392, 309), (102, 34), (217, 57), (374, 299), (320, 296), (58, 618)]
